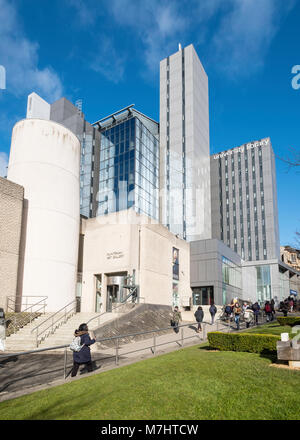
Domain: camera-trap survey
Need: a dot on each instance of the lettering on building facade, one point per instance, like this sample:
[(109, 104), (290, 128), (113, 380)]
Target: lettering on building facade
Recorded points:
[(243, 148), (114, 255)]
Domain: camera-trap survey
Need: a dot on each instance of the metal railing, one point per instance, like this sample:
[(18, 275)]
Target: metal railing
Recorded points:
[(31, 309), (57, 319), (153, 346), (114, 308)]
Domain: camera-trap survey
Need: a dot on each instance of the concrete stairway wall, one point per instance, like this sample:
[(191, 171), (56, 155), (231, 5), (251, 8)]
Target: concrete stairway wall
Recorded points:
[(142, 318)]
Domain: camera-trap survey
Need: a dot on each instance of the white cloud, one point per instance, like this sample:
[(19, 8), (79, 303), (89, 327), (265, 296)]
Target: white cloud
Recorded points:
[(3, 164), (109, 62), (157, 24), (244, 32), (19, 56), (86, 13)]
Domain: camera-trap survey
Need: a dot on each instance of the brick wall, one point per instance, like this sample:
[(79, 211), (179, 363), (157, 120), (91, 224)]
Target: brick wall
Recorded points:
[(11, 208)]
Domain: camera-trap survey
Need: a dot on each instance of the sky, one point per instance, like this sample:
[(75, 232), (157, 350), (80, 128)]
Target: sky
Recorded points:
[(107, 53)]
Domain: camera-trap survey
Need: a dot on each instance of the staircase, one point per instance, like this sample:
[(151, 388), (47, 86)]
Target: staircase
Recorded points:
[(64, 334), (24, 340)]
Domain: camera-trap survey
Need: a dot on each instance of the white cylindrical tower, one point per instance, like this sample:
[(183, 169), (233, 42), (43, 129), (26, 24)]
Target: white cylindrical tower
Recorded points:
[(45, 160)]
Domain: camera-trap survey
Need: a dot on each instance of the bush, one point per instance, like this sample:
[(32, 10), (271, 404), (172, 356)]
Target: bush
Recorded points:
[(250, 342), (289, 320)]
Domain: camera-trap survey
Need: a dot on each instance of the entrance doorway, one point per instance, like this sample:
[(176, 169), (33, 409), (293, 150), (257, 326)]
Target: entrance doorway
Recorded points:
[(98, 305), (112, 296)]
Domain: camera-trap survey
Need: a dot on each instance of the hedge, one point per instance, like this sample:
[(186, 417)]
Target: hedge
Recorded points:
[(289, 320), (252, 343)]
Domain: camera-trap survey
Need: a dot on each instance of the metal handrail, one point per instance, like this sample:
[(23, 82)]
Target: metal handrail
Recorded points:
[(152, 347), (32, 314), (14, 300), (116, 307), (64, 319)]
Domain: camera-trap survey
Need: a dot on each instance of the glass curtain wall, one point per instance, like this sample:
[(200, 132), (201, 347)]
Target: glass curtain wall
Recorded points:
[(147, 172), (129, 169), (263, 290), (86, 140), (231, 273)]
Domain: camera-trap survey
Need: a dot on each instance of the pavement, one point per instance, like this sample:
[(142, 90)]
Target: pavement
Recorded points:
[(25, 374)]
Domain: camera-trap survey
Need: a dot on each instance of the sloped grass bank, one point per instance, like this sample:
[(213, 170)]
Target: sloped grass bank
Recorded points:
[(192, 383)]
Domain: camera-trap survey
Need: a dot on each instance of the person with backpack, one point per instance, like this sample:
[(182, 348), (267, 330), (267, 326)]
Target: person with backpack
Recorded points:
[(256, 309), (237, 313), (176, 318), (81, 349), (212, 311), (199, 314), (268, 311)]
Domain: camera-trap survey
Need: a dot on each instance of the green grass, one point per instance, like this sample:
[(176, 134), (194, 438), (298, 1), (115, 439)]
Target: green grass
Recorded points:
[(274, 328), (192, 383)]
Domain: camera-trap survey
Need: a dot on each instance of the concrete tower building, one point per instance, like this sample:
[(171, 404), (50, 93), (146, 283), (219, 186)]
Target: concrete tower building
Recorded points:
[(244, 200), (44, 159), (184, 146)]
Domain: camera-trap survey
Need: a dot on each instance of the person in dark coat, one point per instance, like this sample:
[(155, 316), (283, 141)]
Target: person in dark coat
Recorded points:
[(199, 318), (84, 355), (256, 309), (212, 311)]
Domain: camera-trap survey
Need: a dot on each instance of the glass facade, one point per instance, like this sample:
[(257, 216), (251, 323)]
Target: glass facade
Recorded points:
[(86, 172), (231, 273), (263, 289), (203, 296), (129, 169)]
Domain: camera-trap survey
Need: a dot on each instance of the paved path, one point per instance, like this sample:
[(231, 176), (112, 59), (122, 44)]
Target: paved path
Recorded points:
[(25, 374)]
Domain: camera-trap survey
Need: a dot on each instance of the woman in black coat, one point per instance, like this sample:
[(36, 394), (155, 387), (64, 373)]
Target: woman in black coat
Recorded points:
[(199, 318), (84, 355)]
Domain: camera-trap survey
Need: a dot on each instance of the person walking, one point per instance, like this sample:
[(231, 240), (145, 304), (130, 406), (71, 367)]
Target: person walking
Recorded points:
[(268, 311), (212, 311), (256, 309), (199, 314), (84, 355), (2, 330), (228, 311), (285, 307), (248, 316), (237, 313), (273, 309), (176, 319)]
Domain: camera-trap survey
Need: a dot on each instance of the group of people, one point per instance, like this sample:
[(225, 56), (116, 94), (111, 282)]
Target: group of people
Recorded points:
[(199, 315), (250, 312), (290, 304)]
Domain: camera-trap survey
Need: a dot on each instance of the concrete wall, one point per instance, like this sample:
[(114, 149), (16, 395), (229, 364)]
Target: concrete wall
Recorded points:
[(44, 158), (37, 107), (124, 242), (247, 222), (206, 268), (184, 146), (11, 209)]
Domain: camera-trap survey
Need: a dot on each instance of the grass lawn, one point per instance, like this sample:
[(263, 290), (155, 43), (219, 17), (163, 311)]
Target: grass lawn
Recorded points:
[(274, 328), (192, 383)]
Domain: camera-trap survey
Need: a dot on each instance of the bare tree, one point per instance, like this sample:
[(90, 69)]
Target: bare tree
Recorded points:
[(292, 159)]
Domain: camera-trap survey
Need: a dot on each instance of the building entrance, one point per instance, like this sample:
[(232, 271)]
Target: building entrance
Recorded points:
[(112, 296)]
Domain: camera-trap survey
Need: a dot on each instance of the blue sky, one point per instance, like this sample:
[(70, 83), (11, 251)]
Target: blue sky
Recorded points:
[(107, 53)]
